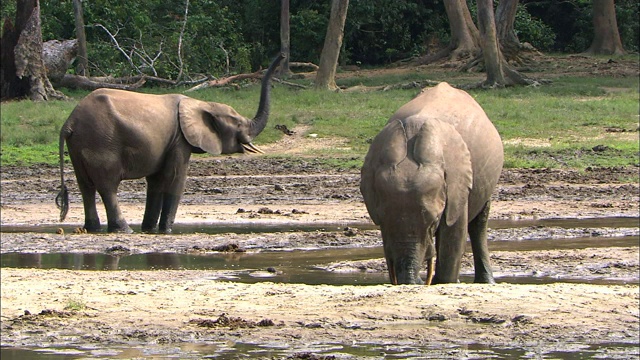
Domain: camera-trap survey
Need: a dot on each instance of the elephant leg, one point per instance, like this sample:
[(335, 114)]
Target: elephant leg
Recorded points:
[(116, 222), (479, 246), (91, 218), (169, 209), (175, 176), (153, 206), (450, 244)]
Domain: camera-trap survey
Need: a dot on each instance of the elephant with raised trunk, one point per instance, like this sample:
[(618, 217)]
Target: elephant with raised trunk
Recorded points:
[(427, 182), (115, 135)]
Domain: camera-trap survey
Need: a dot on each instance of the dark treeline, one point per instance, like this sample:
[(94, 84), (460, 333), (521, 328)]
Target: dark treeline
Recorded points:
[(236, 36)]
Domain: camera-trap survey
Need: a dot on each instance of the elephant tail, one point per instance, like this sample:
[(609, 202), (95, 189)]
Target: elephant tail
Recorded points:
[(62, 200)]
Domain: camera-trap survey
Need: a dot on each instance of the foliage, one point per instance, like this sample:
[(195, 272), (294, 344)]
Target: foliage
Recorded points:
[(533, 30), (571, 22), (385, 31), (246, 33)]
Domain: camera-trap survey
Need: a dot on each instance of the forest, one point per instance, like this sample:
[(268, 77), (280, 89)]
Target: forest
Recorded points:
[(222, 37)]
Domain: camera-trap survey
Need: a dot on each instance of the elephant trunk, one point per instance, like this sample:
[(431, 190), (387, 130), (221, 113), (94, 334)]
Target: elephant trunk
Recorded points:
[(404, 261), (259, 122)]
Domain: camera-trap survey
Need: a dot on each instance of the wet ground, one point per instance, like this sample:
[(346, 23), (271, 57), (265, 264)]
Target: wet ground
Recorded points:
[(277, 258)]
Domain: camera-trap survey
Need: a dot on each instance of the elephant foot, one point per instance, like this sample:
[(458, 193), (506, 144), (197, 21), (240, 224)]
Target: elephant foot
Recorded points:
[(149, 229), (120, 228), (437, 281), (484, 280), (92, 227), (165, 231)]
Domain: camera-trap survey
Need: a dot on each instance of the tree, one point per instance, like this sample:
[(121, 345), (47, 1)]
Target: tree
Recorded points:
[(505, 18), (499, 73), (285, 38), (606, 40), (465, 38), (23, 70), (82, 66), (326, 76)]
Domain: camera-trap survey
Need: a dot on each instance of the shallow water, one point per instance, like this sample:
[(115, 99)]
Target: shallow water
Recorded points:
[(299, 266), (238, 350)]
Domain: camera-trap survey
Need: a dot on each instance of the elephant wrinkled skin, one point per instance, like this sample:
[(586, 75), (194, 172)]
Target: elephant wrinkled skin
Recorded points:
[(427, 182), (115, 135)]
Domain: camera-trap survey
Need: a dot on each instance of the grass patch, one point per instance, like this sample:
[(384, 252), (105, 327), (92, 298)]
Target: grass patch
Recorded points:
[(556, 125), (74, 304)]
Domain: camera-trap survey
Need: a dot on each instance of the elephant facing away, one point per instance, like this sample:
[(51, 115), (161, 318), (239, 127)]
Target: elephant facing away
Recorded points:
[(427, 182), (115, 135)]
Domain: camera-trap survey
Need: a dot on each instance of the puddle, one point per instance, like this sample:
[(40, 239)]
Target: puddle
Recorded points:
[(213, 228), (224, 350), (298, 266)]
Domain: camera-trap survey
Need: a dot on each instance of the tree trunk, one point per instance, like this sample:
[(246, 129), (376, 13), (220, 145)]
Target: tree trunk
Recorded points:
[(606, 40), (465, 38), (23, 70), (82, 63), (507, 38), (326, 76), (493, 59), (58, 56), (285, 39)]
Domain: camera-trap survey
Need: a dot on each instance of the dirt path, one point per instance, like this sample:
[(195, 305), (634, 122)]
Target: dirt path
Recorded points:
[(172, 307)]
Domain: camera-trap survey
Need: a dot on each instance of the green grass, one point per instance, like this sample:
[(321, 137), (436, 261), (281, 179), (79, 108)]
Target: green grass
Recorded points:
[(75, 304), (555, 125)]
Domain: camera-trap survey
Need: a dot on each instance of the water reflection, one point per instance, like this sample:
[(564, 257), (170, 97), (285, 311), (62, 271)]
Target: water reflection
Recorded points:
[(300, 266), (361, 350)]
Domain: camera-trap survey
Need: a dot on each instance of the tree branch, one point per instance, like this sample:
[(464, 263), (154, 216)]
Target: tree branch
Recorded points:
[(227, 80)]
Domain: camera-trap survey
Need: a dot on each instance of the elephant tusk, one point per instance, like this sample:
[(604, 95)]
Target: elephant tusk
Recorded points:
[(430, 268), (252, 148)]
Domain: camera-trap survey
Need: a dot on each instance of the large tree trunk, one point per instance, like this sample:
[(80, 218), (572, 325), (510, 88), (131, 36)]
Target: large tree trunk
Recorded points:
[(499, 73), (465, 38), (505, 18), (606, 40), (326, 76), (512, 49), (58, 56), (285, 39), (82, 61), (493, 59), (23, 70)]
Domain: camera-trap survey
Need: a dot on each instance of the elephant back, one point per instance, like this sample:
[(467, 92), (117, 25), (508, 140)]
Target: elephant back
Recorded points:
[(459, 109)]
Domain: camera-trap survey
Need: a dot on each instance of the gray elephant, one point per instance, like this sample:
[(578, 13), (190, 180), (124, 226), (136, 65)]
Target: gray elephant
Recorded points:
[(114, 135), (427, 182)]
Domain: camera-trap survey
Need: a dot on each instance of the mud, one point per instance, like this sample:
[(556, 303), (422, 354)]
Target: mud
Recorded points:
[(70, 308)]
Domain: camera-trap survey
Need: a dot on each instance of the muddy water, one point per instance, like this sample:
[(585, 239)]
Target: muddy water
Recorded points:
[(238, 350), (299, 266)]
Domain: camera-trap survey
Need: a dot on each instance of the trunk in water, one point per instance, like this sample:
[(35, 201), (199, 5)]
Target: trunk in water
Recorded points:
[(260, 120)]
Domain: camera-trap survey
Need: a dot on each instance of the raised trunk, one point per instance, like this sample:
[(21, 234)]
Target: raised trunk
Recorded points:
[(262, 115)]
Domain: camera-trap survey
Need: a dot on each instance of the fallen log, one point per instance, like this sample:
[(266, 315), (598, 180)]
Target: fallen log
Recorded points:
[(81, 82), (312, 66)]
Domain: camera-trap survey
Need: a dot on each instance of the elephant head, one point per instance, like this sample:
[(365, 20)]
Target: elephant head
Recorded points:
[(218, 129), (427, 181)]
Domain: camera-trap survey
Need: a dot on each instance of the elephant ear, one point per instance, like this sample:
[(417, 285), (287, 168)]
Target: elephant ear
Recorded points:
[(198, 125), (442, 146), (387, 149)]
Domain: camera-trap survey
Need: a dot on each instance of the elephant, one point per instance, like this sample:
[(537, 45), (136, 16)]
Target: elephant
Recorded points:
[(115, 135), (427, 182)]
